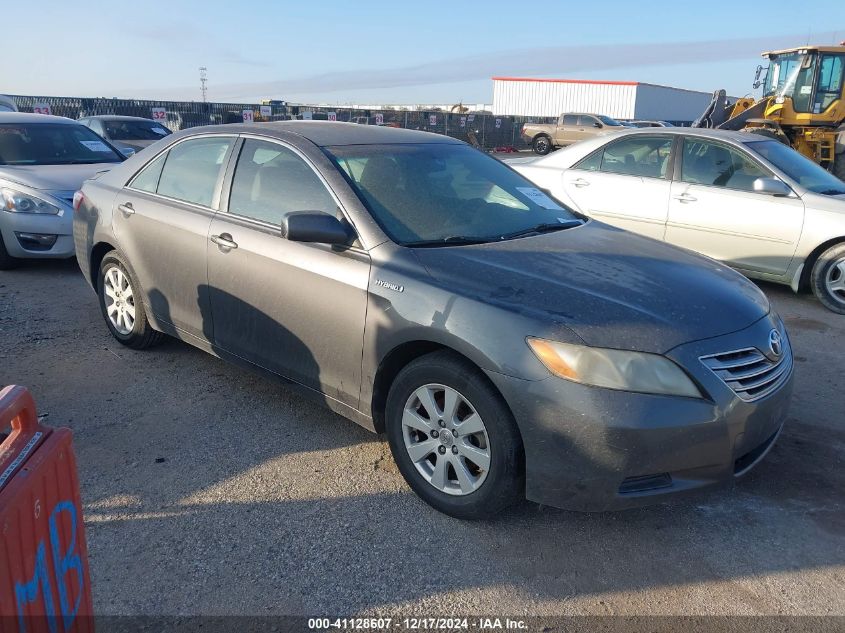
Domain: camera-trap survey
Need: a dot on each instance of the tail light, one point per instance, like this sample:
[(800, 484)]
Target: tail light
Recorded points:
[(78, 197)]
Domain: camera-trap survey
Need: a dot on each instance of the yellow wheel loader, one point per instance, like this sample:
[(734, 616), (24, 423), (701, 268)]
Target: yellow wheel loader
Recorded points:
[(803, 104)]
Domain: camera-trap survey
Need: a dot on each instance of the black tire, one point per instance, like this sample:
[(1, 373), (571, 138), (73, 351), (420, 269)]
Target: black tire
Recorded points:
[(142, 335), (541, 144), (763, 131), (503, 484), (7, 262), (833, 300)]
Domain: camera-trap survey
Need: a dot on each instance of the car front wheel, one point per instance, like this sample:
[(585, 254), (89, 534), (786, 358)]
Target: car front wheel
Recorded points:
[(828, 278), (453, 437), (121, 304)]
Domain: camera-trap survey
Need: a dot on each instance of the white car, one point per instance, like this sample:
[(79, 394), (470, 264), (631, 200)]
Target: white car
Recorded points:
[(7, 104), (744, 199)]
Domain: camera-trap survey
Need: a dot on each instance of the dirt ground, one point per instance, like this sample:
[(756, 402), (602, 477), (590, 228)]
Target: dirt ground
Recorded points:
[(210, 490)]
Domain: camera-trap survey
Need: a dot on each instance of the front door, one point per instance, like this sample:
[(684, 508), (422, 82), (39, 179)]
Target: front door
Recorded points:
[(161, 221), (293, 308), (714, 210)]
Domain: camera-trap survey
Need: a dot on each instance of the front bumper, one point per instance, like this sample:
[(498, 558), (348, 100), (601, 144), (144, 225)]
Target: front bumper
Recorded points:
[(14, 224), (594, 449)]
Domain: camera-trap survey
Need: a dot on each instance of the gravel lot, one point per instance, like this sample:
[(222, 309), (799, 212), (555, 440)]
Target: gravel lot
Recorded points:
[(210, 490)]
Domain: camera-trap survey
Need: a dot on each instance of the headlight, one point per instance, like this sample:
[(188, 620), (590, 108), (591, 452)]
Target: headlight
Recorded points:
[(19, 202), (613, 368)]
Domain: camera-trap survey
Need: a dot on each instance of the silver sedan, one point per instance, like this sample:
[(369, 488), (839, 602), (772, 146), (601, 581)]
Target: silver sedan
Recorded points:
[(43, 161), (743, 199)]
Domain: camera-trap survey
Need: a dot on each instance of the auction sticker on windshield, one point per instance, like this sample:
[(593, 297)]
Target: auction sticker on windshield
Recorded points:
[(96, 146), (538, 197)]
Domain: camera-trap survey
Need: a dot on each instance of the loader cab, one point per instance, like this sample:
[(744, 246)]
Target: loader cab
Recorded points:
[(811, 77)]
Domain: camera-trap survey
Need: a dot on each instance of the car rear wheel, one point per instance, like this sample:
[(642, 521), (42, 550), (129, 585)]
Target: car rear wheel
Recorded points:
[(121, 304), (542, 145), (453, 437), (828, 278), (7, 262)]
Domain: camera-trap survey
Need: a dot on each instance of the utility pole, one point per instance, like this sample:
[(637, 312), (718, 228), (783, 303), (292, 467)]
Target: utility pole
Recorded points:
[(203, 82)]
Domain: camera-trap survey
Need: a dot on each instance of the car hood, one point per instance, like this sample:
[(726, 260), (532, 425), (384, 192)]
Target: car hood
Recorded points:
[(52, 177), (612, 288)]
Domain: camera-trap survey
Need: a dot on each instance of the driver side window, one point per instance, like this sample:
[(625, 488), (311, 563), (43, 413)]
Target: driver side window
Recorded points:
[(271, 181), (713, 164)]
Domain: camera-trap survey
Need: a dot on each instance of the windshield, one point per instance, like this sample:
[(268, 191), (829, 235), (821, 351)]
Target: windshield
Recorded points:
[(607, 120), (424, 194), (798, 167), (791, 75), (52, 144), (135, 130)]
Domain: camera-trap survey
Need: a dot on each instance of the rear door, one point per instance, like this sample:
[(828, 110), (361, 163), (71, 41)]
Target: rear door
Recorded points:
[(293, 308), (161, 221), (714, 209), (625, 183)]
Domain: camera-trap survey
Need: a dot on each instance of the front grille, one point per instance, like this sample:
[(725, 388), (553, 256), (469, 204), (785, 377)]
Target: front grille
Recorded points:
[(749, 373)]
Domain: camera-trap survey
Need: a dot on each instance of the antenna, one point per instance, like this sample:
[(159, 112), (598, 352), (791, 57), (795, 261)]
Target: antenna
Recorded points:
[(203, 82)]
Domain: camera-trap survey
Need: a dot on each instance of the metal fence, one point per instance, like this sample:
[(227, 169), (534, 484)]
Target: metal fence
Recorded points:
[(486, 131)]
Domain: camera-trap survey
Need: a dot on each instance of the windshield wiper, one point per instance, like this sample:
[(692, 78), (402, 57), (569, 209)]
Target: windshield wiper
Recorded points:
[(451, 240), (545, 227), (832, 192)]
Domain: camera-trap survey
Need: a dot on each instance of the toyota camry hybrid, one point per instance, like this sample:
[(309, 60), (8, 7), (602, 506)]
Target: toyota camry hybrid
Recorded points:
[(508, 346)]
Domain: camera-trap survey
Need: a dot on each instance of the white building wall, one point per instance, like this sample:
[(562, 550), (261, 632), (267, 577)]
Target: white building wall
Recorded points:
[(551, 98), (662, 103)]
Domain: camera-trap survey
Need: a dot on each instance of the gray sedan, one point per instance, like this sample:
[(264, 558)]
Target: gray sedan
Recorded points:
[(507, 345), (126, 132), (43, 161)]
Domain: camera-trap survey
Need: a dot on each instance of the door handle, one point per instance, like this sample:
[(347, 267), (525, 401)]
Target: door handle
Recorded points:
[(685, 197), (224, 241), (580, 182), (126, 208)]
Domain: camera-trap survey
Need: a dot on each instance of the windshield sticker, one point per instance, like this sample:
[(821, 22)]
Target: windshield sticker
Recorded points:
[(96, 146), (805, 90), (539, 198), (159, 130)]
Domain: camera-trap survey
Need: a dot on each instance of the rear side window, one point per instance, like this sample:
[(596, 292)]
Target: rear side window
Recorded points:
[(192, 169), (591, 162), (570, 119), (271, 181), (646, 156), (147, 179)]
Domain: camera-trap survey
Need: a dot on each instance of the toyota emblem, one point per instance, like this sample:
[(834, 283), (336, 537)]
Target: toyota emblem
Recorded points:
[(775, 344)]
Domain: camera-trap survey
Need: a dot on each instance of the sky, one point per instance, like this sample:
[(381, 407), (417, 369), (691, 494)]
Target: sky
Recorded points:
[(391, 52)]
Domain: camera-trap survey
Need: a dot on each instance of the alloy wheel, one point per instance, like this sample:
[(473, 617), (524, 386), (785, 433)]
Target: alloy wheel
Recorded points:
[(120, 300), (835, 280), (446, 439)]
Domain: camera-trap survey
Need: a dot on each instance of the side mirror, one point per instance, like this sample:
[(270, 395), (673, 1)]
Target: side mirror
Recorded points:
[(315, 226), (597, 124), (771, 186)]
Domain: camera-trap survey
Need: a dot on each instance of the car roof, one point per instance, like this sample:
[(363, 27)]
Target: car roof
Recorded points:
[(28, 117), (117, 117), (571, 154), (324, 133), (716, 134)]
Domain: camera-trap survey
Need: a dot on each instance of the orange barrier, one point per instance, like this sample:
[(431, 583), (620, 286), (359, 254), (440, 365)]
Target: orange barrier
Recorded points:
[(44, 581)]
